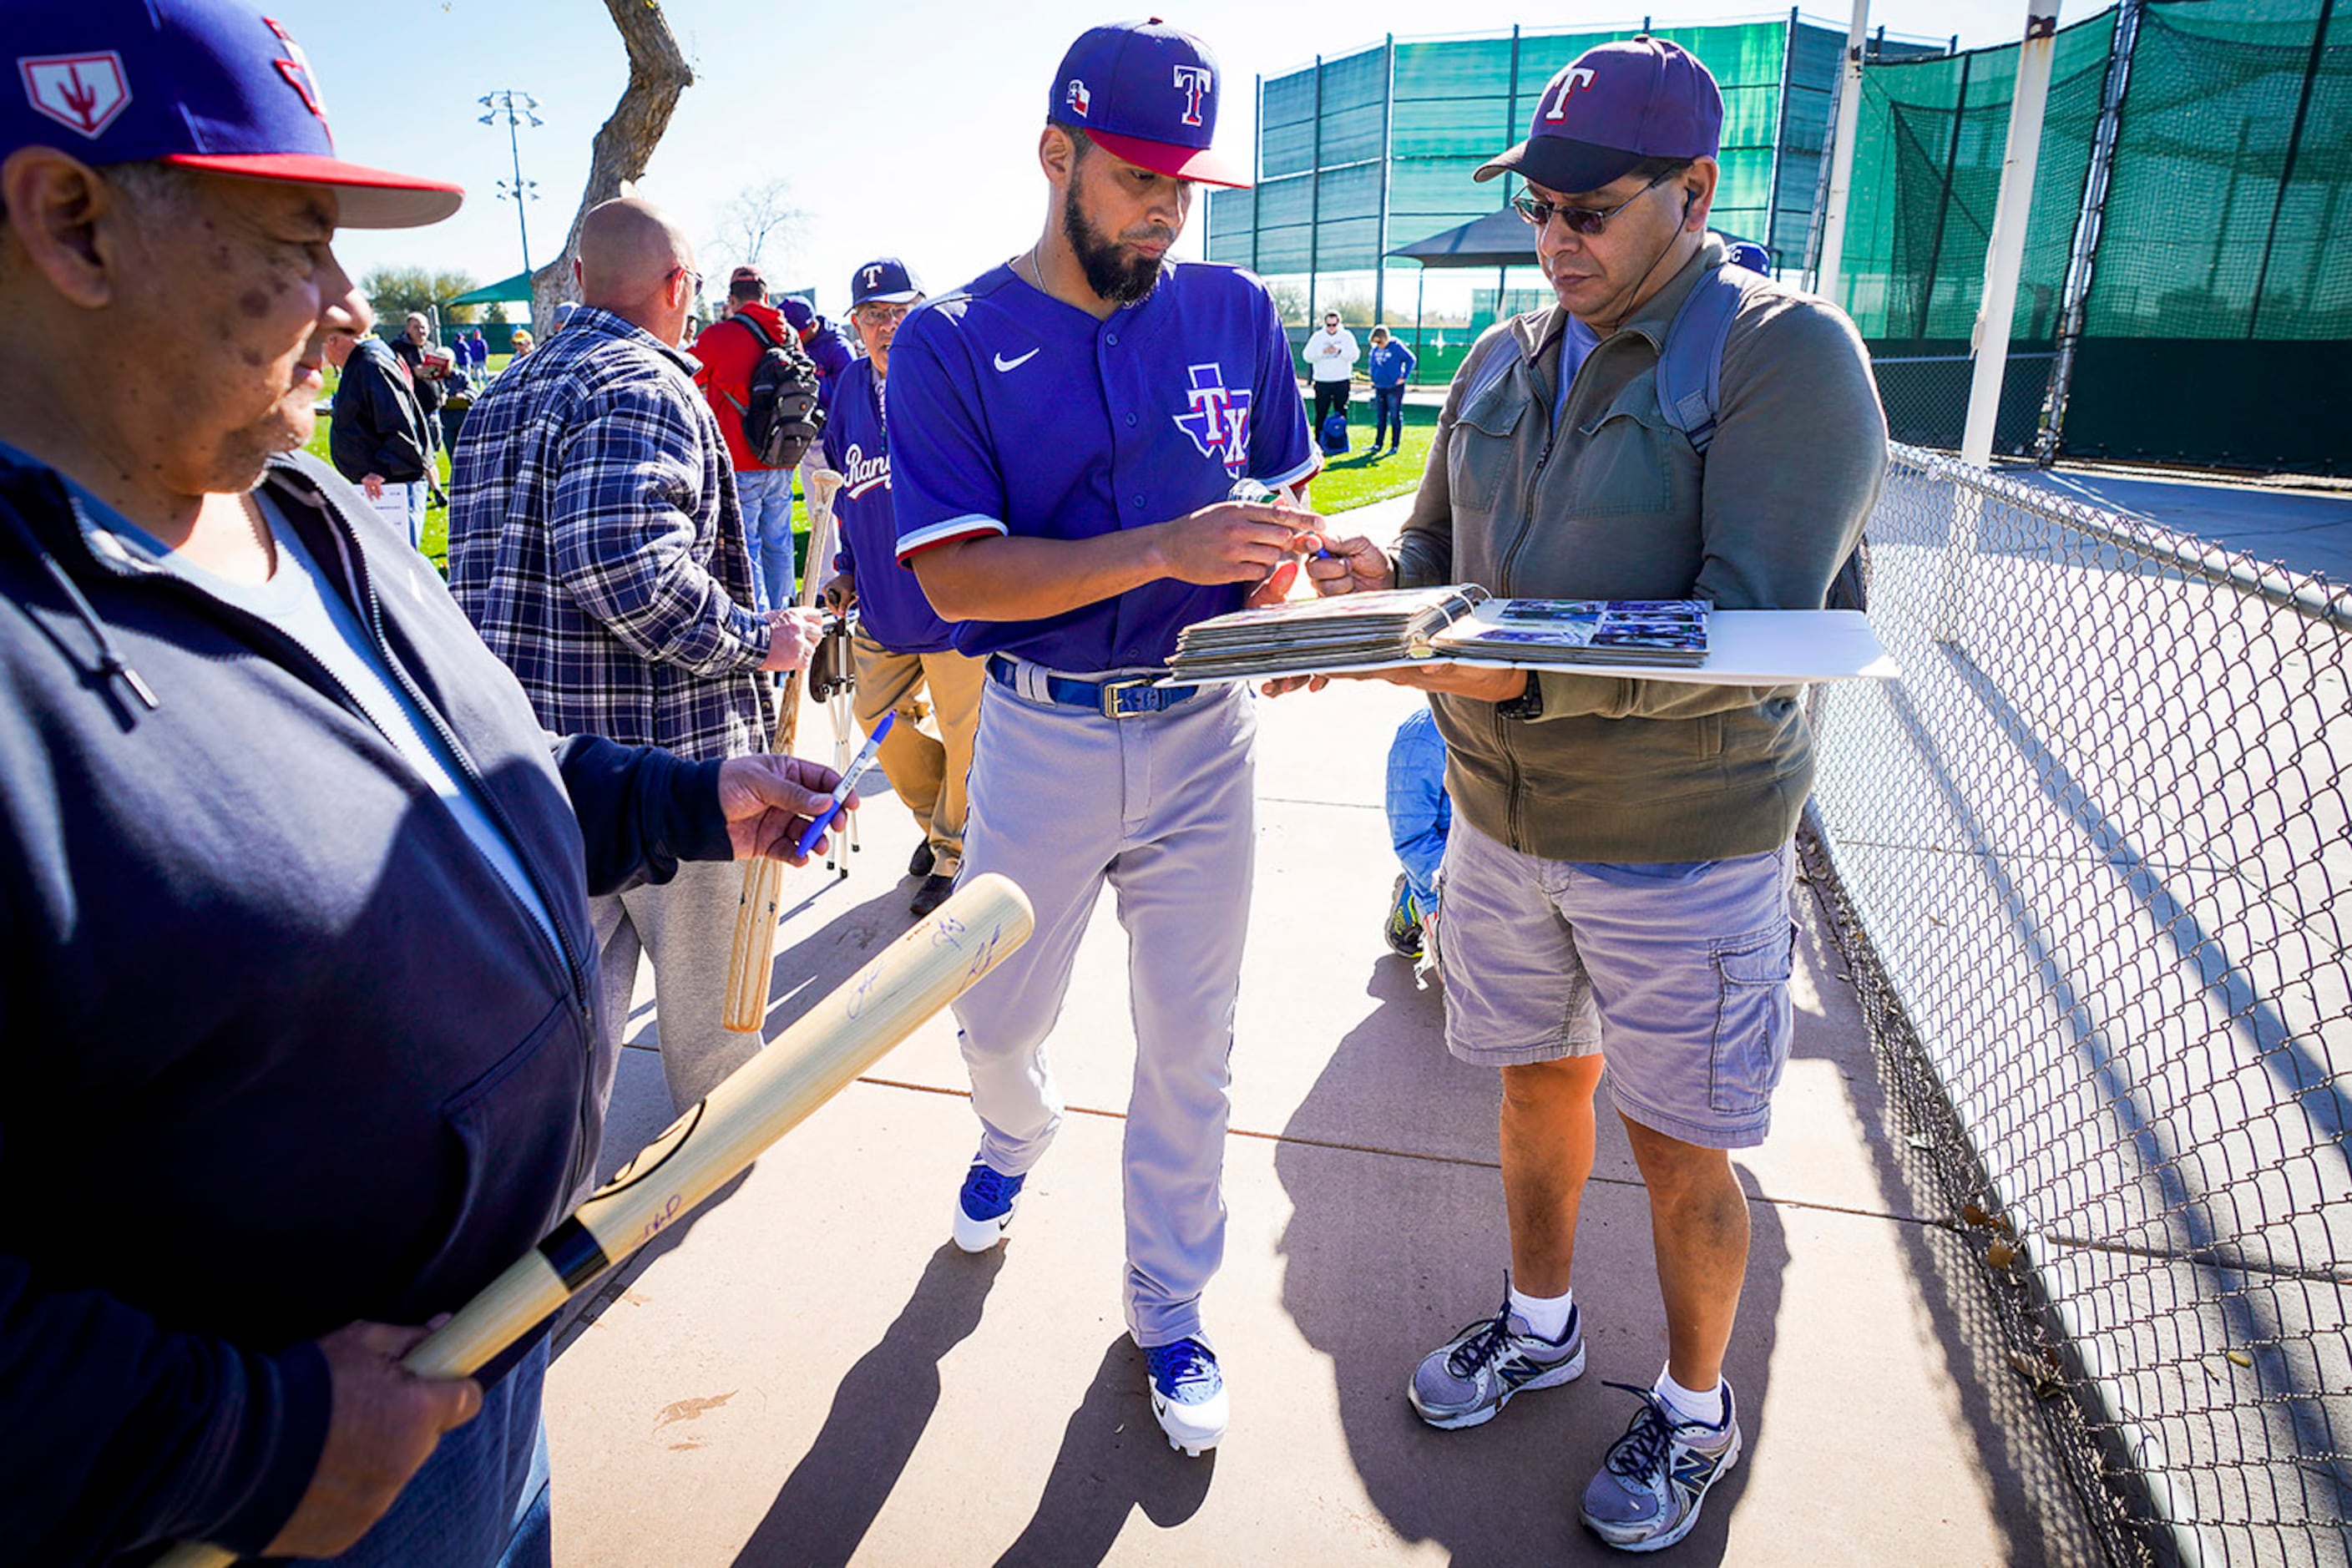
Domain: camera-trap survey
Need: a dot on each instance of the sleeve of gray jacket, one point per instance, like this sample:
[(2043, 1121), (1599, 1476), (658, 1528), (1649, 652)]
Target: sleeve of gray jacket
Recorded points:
[(1799, 450)]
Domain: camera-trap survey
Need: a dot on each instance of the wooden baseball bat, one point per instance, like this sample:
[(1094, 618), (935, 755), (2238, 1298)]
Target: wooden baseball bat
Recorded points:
[(750, 963), (822, 1051)]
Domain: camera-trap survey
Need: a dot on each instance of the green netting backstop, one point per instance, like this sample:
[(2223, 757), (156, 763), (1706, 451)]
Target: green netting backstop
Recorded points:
[(2218, 309)]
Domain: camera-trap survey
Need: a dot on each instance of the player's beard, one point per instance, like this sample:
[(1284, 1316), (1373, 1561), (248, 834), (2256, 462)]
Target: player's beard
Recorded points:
[(1116, 279)]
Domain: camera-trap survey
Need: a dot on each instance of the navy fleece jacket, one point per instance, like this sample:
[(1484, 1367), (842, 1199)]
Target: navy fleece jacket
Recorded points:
[(279, 1049)]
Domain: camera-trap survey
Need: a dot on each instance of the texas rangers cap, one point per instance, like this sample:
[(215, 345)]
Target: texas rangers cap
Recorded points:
[(1147, 92), (1611, 107), (204, 84), (885, 279)]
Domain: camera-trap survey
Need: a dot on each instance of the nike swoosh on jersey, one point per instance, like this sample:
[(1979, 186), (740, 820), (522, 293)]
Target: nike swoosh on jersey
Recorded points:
[(1003, 363)]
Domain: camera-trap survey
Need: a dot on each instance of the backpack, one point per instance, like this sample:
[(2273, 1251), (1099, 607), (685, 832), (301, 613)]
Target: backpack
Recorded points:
[(781, 420), (1333, 437), (1690, 378)]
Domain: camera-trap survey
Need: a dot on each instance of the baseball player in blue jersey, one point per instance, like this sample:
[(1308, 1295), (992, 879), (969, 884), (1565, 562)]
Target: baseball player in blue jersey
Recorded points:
[(901, 646), (1064, 430)]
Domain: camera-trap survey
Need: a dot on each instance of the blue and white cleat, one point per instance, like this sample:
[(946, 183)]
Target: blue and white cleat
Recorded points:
[(1188, 1395), (985, 1207), (1466, 1381), (1647, 1494)]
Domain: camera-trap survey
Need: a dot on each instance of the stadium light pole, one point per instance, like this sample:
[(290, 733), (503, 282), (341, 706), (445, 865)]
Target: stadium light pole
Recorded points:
[(514, 108), (2005, 254), (1849, 116)]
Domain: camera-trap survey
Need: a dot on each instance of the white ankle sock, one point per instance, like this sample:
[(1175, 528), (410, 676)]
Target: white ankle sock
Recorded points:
[(1704, 1406), (1547, 1315)]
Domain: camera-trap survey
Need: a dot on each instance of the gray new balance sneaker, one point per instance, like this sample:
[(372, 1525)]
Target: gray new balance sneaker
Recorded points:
[(1464, 1381), (1647, 1493)]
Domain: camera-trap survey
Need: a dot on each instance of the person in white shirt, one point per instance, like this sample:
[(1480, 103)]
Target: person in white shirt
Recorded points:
[(1331, 361)]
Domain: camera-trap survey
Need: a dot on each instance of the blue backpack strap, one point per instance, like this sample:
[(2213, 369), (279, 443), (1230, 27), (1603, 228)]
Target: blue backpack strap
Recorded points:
[(1690, 362)]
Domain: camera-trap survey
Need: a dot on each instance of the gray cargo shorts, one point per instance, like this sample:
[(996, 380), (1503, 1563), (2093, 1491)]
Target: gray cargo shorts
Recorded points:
[(1680, 980)]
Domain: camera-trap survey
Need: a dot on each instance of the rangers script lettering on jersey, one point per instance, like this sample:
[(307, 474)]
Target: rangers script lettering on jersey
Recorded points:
[(891, 607)]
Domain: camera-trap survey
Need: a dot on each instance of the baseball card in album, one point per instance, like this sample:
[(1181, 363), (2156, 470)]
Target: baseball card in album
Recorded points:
[(1656, 639)]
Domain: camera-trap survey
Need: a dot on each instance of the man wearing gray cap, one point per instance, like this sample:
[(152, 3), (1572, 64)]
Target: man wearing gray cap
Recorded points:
[(1617, 884)]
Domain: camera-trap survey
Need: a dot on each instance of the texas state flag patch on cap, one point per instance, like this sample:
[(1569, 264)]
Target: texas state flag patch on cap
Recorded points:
[(1076, 97)]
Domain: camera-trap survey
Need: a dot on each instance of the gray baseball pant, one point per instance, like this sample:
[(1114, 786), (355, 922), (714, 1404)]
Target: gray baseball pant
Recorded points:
[(1161, 806)]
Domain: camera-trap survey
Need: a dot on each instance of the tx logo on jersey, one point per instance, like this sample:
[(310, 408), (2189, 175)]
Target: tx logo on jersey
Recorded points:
[(81, 92), (1572, 82), (1192, 81), (861, 473), (1218, 418), (296, 68), (1076, 95)]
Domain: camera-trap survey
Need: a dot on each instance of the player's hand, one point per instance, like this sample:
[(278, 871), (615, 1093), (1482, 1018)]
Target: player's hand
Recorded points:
[(1460, 680), (769, 802), (1351, 566), (793, 637), (383, 1424), (373, 485), (1232, 542), (840, 594)]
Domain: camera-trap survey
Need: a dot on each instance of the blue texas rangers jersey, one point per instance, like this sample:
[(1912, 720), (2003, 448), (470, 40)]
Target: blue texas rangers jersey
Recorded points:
[(1014, 413), (891, 608)]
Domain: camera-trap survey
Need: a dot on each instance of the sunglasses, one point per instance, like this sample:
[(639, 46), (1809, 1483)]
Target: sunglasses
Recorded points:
[(1580, 220)]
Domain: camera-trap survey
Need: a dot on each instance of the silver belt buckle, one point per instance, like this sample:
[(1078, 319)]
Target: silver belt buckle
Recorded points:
[(1108, 695)]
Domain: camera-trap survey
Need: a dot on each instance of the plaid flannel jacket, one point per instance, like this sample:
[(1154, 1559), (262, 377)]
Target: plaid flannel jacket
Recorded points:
[(596, 544)]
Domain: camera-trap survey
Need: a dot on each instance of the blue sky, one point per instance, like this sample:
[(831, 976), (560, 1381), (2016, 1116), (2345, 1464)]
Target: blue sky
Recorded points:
[(914, 135)]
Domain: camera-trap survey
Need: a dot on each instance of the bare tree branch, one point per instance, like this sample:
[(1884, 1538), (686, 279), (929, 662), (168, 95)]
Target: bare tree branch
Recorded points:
[(756, 216), (657, 74)]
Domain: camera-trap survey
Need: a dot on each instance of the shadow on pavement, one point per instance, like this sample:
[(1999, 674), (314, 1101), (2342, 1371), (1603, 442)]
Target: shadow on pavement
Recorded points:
[(1389, 1254), (1114, 1459), (879, 1412)]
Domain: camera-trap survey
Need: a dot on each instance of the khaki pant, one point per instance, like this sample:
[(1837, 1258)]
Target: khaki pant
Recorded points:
[(928, 774)]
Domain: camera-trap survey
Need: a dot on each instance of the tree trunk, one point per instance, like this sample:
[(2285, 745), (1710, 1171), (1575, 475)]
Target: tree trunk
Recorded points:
[(657, 74)]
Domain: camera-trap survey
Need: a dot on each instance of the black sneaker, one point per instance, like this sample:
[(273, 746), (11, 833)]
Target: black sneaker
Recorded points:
[(1403, 928), (931, 894), (923, 860)]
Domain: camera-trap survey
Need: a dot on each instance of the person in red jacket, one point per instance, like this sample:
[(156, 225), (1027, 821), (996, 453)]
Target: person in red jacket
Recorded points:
[(727, 349)]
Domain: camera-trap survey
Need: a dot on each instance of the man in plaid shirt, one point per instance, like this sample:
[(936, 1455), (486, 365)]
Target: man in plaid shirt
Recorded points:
[(596, 543)]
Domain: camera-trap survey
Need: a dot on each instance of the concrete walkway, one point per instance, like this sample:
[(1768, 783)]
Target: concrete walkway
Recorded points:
[(809, 1373)]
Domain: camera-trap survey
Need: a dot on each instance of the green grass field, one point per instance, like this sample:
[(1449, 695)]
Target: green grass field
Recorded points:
[(1356, 480), (1359, 478)]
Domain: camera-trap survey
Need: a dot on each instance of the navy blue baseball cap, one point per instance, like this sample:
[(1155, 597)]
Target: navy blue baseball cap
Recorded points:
[(1147, 92), (1611, 107), (204, 84), (885, 279)]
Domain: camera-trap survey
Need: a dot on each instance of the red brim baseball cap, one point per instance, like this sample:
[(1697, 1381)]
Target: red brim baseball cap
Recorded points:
[(203, 84), (365, 197), (1148, 93), (1202, 166)]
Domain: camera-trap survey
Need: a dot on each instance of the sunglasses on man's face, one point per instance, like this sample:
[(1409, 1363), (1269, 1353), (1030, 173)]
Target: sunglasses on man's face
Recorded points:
[(1586, 221)]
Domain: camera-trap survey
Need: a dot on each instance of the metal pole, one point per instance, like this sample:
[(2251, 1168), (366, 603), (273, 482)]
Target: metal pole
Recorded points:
[(523, 220), (1780, 140), (2005, 255), (1315, 201), (1381, 251), (2083, 260), (1845, 117)]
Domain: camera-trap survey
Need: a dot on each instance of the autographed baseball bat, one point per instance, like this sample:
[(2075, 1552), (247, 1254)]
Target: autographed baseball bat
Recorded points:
[(750, 963), (703, 1149)]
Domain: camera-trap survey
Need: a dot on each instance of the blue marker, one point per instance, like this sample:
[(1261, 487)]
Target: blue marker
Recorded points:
[(858, 768)]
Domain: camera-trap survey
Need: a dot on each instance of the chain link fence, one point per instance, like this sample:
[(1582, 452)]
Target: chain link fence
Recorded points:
[(2088, 858)]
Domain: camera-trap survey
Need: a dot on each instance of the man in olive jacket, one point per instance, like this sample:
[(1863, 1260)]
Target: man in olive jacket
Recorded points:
[(1618, 881)]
